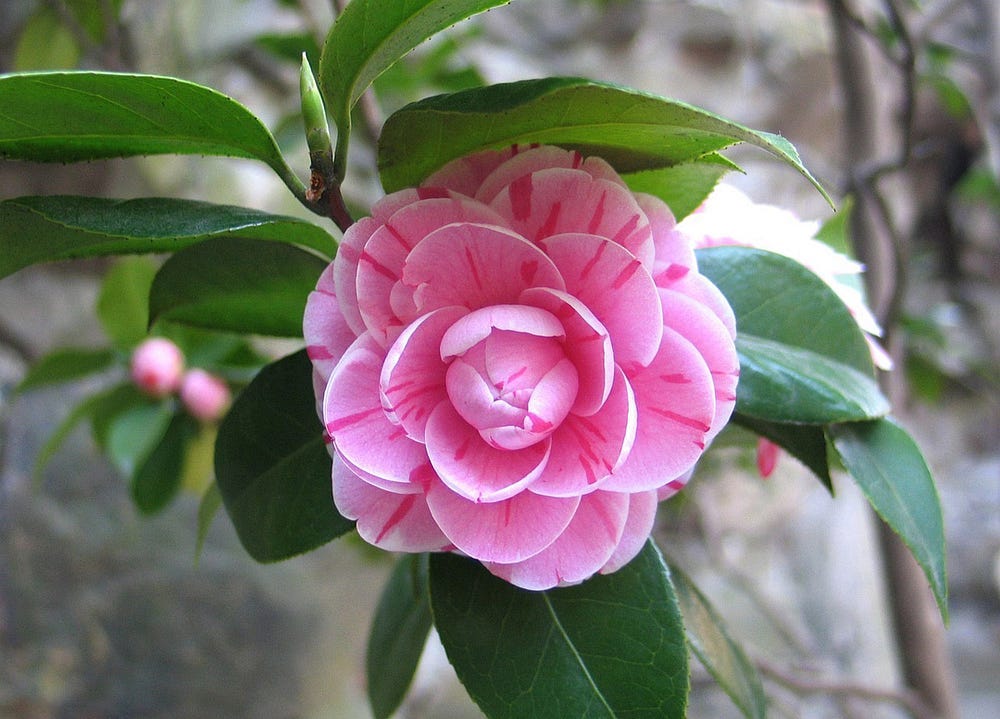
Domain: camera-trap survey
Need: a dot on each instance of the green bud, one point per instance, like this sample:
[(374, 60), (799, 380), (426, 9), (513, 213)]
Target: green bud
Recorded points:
[(314, 114)]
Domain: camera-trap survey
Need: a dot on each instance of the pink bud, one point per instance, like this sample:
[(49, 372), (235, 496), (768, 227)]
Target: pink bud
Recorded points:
[(205, 396), (157, 366)]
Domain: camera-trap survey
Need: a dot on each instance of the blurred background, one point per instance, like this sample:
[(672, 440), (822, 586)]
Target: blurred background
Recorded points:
[(106, 613)]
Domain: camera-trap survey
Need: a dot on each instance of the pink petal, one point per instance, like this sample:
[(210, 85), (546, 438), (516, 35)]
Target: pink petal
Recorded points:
[(326, 332), (580, 551), (380, 268), (475, 266), (700, 288), (507, 531), (345, 270), (478, 325), (471, 467), (466, 174), (674, 486), (394, 522), (675, 397), (641, 516), (673, 251), (616, 288), (412, 379), (354, 418), (585, 450), (767, 457), (700, 326), (587, 345), (525, 163), (556, 201)]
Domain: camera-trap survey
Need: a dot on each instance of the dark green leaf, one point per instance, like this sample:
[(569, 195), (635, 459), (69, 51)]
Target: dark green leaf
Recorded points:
[(42, 229), (807, 443), (209, 506), (237, 285), (108, 405), (158, 478), (122, 305), (72, 116), (610, 647), (368, 37), (398, 633), (683, 187), (633, 131), (290, 47), (724, 659), (63, 365), (783, 383), (888, 466), (272, 467), (135, 431)]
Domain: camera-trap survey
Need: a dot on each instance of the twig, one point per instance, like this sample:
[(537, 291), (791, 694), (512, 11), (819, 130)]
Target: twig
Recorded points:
[(845, 688)]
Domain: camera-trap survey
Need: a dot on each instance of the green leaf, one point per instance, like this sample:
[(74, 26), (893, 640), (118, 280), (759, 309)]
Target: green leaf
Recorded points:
[(73, 116), (888, 466), (237, 285), (65, 364), (683, 187), (634, 131), (272, 466), (122, 305), (782, 383), (43, 229), (209, 506), (158, 478), (803, 358), (711, 642), (807, 443), (88, 409), (45, 44), (610, 647), (371, 35), (135, 430), (398, 633)]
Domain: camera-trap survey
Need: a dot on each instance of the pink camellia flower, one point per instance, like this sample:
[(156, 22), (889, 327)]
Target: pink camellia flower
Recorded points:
[(205, 396), (516, 361), (157, 366)]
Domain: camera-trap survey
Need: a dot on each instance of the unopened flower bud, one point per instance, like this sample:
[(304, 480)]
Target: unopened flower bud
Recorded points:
[(157, 366), (313, 114), (205, 396)]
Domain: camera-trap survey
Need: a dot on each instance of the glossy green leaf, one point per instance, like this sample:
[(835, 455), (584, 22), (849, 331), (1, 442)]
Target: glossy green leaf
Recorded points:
[(683, 187), (371, 35), (888, 466), (73, 116), (803, 358), (721, 655), (157, 479), (807, 443), (783, 383), (237, 285), (209, 506), (634, 131), (611, 647), (272, 467), (43, 229), (135, 431), (122, 304), (398, 634), (65, 364)]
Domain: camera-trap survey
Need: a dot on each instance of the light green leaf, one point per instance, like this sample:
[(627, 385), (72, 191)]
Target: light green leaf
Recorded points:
[(272, 467), (43, 229), (209, 506), (88, 409), (683, 187), (711, 642), (888, 466), (122, 305), (237, 285), (611, 647), (134, 433), (634, 131), (371, 35), (398, 633), (73, 116), (65, 364), (158, 477), (45, 44)]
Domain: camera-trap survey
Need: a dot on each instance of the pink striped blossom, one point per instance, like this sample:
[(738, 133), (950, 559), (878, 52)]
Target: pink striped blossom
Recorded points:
[(516, 361)]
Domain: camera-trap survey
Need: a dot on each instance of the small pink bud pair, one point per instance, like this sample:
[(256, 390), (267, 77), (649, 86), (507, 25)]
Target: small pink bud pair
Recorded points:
[(158, 370)]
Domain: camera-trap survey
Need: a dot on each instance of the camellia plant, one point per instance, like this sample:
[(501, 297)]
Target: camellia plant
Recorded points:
[(505, 367)]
